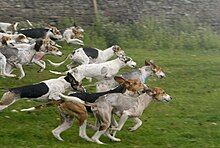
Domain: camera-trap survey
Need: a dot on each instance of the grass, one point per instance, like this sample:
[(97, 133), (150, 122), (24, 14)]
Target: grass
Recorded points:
[(191, 119)]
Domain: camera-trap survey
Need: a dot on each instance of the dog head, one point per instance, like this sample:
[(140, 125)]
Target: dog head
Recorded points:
[(7, 40), (55, 32), (74, 83), (77, 32), (47, 45), (117, 50), (47, 41), (127, 61), (54, 51), (131, 85), (158, 94), (21, 38), (38, 44), (78, 55), (156, 69)]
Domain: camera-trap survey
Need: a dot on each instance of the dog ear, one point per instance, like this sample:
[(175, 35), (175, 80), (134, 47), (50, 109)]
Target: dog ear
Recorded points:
[(69, 74), (149, 91), (67, 77), (120, 80), (73, 77), (74, 31), (38, 44), (116, 48), (152, 63), (4, 40), (70, 78), (50, 26), (147, 63)]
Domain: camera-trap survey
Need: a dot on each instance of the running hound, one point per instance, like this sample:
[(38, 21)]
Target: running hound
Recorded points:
[(87, 55), (101, 70), (122, 105), (45, 90), (142, 74), (8, 27), (35, 33), (73, 35), (11, 39), (16, 57)]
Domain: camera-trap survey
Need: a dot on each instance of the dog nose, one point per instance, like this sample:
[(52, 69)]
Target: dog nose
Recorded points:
[(12, 44), (162, 76)]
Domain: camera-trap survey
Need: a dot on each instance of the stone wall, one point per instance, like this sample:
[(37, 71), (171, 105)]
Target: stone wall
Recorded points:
[(207, 11)]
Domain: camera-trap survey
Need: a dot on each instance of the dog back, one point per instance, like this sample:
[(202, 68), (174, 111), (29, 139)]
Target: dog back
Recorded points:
[(31, 91), (35, 32), (8, 52), (91, 52)]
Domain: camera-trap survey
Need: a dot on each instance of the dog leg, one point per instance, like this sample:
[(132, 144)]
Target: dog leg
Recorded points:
[(75, 41), (71, 65), (115, 124), (4, 106), (64, 126), (104, 125), (88, 78), (122, 121), (94, 128), (7, 99), (9, 68), (112, 137), (40, 63), (3, 67), (82, 132), (137, 125), (19, 66)]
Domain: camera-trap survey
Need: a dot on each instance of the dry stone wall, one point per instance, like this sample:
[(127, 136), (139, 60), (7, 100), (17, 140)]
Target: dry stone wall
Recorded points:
[(207, 11)]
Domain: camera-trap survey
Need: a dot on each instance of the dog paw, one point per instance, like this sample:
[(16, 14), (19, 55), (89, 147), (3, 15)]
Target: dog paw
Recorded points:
[(97, 141), (87, 138), (20, 77), (40, 70), (57, 136), (114, 139), (131, 129), (115, 129), (12, 75), (117, 139)]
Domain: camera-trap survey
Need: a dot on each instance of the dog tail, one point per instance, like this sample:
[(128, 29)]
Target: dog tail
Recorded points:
[(41, 106), (71, 98), (29, 23), (58, 64), (58, 73), (15, 26), (28, 109)]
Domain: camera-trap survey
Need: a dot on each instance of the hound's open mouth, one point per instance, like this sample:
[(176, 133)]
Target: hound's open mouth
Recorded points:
[(133, 66), (165, 100)]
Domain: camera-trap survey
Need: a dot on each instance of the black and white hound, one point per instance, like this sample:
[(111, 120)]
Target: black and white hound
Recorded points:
[(35, 33), (45, 90)]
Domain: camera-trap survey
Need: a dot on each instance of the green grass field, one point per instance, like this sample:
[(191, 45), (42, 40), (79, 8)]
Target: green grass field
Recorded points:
[(191, 119)]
